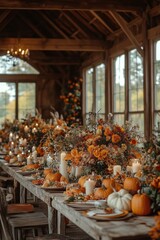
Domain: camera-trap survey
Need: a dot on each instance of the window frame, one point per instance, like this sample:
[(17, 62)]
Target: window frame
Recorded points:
[(20, 79), (94, 88)]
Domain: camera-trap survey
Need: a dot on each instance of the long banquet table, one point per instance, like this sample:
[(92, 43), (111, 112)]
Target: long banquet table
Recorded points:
[(134, 227)]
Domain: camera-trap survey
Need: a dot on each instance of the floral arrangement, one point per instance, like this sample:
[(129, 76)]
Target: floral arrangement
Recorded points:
[(72, 101), (105, 145)]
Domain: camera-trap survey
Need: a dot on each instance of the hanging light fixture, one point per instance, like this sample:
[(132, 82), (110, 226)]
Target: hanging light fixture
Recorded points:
[(19, 53)]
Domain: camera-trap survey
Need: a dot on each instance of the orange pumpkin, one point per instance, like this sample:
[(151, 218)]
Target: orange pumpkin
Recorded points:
[(102, 192), (108, 182), (82, 180), (141, 204), (131, 184), (53, 177), (63, 179), (46, 171), (111, 183)]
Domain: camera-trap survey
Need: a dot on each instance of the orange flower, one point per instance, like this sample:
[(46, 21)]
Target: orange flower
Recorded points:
[(107, 131), (156, 183), (116, 138), (118, 128), (97, 152), (74, 152), (91, 148), (68, 156), (133, 141), (104, 153)]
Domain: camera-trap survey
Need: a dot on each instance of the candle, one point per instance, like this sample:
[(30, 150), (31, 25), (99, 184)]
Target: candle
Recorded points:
[(89, 185), (21, 141), (34, 155), (33, 148), (19, 157), (136, 166), (49, 160), (34, 130), (24, 142), (116, 169), (73, 169), (26, 129), (10, 136), (12, 144), (129, 168), (78, 171), (29, 160), (63, 165)]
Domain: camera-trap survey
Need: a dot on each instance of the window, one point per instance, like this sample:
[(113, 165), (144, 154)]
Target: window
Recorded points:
[(136, 88), (7, 101), (119, 88), (16, 100), (128, 89), (157, 82), (95, 90), (100, 90)]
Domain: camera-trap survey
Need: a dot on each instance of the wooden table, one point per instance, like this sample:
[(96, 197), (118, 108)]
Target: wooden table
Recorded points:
[(132, 228), (42, 194)]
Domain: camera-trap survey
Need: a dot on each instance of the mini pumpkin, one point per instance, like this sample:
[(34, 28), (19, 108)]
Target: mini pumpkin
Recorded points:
[(53, 177), (131, 184), (141, 204), (110, 182), (82, 180), (102, 192), (120, 200)]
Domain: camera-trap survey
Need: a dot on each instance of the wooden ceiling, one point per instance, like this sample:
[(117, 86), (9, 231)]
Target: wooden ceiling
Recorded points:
[(63, 33)]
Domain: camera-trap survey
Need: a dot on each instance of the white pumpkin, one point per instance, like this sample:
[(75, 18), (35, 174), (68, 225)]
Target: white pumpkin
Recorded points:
[(120, 200)]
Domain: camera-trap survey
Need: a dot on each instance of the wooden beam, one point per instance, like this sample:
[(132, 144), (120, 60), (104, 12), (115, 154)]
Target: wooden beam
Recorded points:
[(55, 61), (40, 44), (122, 23), (102, 21), (100, 5)]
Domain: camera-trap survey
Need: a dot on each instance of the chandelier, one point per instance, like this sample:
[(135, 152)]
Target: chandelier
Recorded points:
[(19, 53)]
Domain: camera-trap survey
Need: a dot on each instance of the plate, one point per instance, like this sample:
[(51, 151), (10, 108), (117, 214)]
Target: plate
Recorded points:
[(81, 204), (54, 188), (99, 215), (26, 173)]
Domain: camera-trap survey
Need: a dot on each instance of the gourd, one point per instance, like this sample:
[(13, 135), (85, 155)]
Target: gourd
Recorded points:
[(54, 177), (110, 182), (141, 204), (102, 192), (82, 180), (120, 200), (131, 184)]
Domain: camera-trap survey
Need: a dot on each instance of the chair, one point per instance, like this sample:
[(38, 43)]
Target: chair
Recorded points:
[(4, 227), (19, 223)]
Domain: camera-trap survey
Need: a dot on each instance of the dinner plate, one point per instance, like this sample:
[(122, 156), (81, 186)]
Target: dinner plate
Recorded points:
[(81, 204), (53, 188), (101, 215), (25, 173)]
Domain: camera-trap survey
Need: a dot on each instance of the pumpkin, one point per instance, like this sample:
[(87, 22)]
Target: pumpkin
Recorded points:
[(63, 179), (141, 204), (102, 192), (131, 184), (110, 182), (120, 200), (46, 171), (53, 177), (82, 180)]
